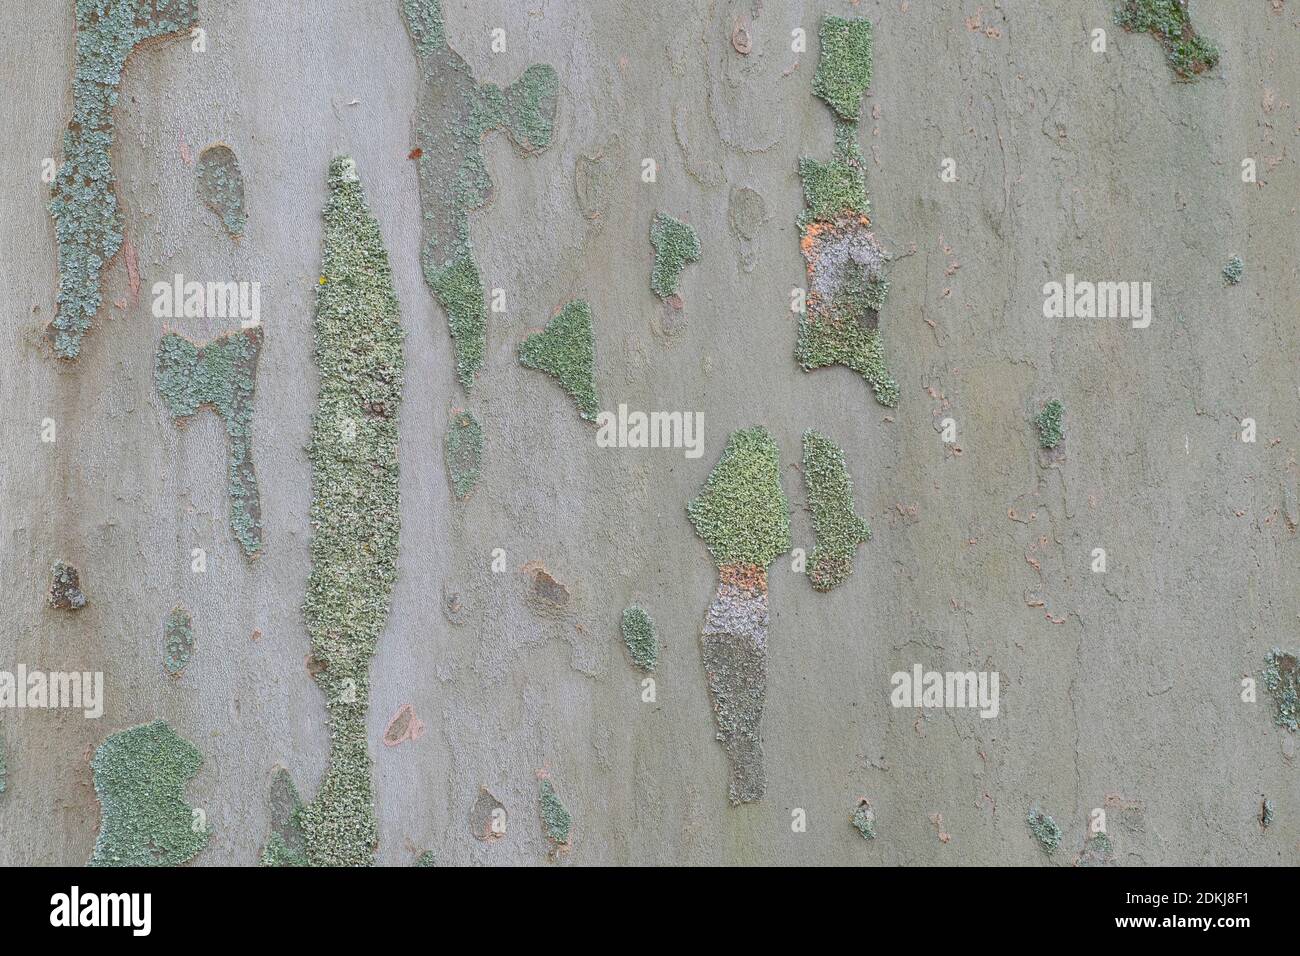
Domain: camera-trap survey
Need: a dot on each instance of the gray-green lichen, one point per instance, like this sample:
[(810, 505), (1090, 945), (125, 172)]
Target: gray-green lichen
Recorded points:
[(1051, 430), (88, 224), (676, 243), (864, 819), (742, 513), (844, 70), (743, 516), (639, 635), (1189, 54), (557, 825), (65, 588), (4, 763), (837, 527), (1283, 684), (566, 350), (140, 778), (453, 115), (1266, 813), (220, 375), (426, 859), (286, 846), (1044, 829), (354, 508), (1233, 271), (845, 262), (221, 187), (178, 641), (463, 451)]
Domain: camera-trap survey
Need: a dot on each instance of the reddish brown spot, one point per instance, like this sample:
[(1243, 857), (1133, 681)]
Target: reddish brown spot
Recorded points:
[(404, 726), (415, 153)]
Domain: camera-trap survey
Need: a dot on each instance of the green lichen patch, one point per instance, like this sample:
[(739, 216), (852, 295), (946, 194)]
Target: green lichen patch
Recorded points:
[(221, 187), (140, 778), (676, 243), (557, 825), (463, 452), (426, 859), (1044, 829), (178, 641), (65, 592), (845, 262), (1097, 851), (87, 221), (220, 375), (1051, 431), (742, 513), (566, 350), (1188, 53), (639, 636), (4, 764), (864, 819), (1233, 271), (1282, 682), (837, 527), (844, 70), (1267, 810), (286, 846), (354, 508), (454, 113)]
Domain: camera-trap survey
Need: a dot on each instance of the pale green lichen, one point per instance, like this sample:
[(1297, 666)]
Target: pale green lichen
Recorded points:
[(65, 588), (286, 846), (426, 858), (557, 825), (845, 262), (864, 820), (354, 508), (221, 187), (676, 243), (742, 513), (1282, 681), (178, 641), (1189, 54), (844, 70), (566, 350), (454, 114), (1233, 271), (4, 763), (88, 224), (463, 451), (1044, 829), (220, 375), (1266, 813), (837, 527), (639, 635), (1051, 430), (140, 778)]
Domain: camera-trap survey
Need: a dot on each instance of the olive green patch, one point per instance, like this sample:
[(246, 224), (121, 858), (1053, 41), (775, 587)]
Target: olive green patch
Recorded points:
[(557, 824), (65, 588), (1188, 53), (838, 529), (566, 350), (1282, 681), (1051, 431), (675, 244), (140, 778), (639, 635), (742, 513), (286, 846), (463, 452), (844, 70)]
